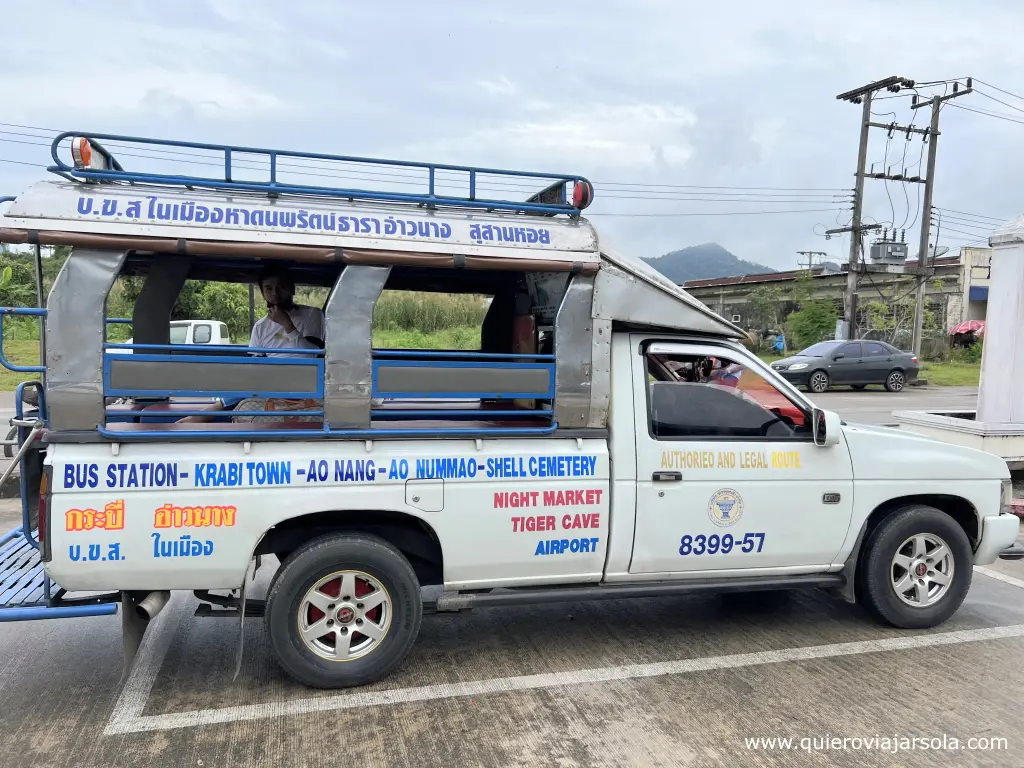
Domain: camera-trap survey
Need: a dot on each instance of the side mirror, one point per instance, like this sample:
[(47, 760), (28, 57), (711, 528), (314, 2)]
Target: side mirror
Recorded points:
[(825, 427), (838, 356)]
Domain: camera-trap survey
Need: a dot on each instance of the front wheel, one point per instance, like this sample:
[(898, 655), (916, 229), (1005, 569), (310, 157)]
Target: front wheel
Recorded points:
[(818, 382), (344, 610), (916, 568), (895, 381)]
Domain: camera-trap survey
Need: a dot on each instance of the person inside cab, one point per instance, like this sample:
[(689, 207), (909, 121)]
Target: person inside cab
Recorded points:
[(287, 325)]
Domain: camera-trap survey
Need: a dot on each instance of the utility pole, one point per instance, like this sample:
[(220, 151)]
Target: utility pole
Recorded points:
[(863, 96), (810, 258), (924, 266)]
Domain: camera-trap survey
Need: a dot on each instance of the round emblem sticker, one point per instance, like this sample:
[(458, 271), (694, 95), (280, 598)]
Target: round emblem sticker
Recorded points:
[(725, 507)]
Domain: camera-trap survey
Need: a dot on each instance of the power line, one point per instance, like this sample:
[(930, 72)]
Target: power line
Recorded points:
[(972, 215), (998, 101), (319, 162), (988, 114), (968, 223)]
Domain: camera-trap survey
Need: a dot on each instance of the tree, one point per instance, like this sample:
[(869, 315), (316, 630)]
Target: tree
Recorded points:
[(815, 319), (764, 305)]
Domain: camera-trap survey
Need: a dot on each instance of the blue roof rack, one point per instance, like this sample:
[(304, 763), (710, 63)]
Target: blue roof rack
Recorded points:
[(550, 200)]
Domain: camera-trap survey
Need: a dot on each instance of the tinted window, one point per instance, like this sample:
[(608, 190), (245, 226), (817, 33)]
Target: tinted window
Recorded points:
[(850, 350), (700, 397), (874, 349), (179, 334), (203, 334), (822, 349)]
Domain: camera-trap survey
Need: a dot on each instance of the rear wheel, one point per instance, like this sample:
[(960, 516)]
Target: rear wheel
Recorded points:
[(895, 381), (916, 568), (818, 382), (343, 610)]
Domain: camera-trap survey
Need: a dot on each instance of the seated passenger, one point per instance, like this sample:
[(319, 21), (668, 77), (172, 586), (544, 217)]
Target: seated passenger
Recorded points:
[(287, 325)]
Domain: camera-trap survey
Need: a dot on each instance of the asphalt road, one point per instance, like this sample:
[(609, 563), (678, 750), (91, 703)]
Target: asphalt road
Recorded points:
[(656, 682), (875, 405)]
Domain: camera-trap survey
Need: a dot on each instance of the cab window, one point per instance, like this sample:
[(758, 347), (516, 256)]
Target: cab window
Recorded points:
[(202, 334), (179, 334), (691, 396)]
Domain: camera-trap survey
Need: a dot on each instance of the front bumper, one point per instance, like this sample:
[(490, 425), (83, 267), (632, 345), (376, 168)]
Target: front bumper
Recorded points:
[(998, 533), (796, 378)]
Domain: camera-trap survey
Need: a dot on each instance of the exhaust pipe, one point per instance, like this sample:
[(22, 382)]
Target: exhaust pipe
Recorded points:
[(135, 617), (152, 604)]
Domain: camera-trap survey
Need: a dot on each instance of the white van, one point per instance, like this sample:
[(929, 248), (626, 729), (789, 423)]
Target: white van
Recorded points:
[(639, 451)]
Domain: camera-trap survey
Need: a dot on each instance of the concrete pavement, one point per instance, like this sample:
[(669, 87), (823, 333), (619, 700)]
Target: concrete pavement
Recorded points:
[(683, 681)]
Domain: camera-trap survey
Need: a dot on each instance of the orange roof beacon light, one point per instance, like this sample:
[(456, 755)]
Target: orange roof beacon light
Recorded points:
[(88, 157)]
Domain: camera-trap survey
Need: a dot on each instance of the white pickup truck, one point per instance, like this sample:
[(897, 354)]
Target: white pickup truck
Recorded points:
[(208, 332), (645, 452)]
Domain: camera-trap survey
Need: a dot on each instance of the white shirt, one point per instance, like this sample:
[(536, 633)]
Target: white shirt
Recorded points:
[(308, 321)]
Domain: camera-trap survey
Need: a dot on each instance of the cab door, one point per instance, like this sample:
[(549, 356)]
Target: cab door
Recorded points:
[(728, 475)]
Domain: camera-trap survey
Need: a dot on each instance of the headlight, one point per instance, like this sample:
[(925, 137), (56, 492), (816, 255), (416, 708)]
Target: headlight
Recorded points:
[(1006, 500), (798, 367)]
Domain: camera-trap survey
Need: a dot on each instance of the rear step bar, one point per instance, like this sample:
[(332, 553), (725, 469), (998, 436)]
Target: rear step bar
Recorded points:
[(227, 606)]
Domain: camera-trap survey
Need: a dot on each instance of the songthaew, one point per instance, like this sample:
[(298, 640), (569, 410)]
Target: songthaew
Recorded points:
[(609, 437)]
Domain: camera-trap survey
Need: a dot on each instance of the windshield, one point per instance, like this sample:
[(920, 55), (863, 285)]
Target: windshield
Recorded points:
[(179, 334), (820, 349)]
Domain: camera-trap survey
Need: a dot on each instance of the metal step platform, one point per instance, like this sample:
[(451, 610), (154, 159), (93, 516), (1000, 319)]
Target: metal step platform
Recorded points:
[(27, 594)]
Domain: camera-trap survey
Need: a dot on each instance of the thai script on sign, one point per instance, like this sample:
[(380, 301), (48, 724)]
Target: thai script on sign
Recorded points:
[(169, 516), (152, 208), (185, 546), (94, 553), (110, 519), (482, 233)]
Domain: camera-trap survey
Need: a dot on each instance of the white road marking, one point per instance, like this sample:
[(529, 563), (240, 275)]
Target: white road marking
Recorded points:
[(128, 718), (999, 576), (155, 644)]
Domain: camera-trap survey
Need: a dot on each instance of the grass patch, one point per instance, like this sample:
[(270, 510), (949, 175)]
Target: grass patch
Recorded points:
[(951, 374), (449, 338), (19, 352)]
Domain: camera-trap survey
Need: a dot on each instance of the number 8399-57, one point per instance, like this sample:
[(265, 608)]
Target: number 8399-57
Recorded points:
[(723, 544)]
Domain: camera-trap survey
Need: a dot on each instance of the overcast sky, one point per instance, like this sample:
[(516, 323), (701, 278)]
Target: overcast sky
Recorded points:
[(643, 92)]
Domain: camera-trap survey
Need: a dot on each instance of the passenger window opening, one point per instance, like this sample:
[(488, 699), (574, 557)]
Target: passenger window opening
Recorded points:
[(456, 348), (715, 396)]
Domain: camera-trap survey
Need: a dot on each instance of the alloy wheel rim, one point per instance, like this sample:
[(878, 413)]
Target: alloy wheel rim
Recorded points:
[(921, 571), (345, 615)]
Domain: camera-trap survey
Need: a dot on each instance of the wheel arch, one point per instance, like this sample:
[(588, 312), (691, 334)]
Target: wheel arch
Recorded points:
[(414, 537), (960, 509)]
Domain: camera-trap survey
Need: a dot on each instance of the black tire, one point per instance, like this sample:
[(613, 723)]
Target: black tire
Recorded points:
[(857, 387), (895, 381), (876, 589), (319, 559), (818, 382)]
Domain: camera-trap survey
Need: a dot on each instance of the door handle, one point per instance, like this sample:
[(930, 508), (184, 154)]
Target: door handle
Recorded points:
[(666, 477)]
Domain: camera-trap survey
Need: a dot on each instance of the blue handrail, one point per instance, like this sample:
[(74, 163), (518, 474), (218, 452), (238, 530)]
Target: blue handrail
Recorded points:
[(22, 311), (274, 187), (215, 348)]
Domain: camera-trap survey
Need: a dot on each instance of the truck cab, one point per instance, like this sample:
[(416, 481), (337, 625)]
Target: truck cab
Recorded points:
[(610, 437)]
